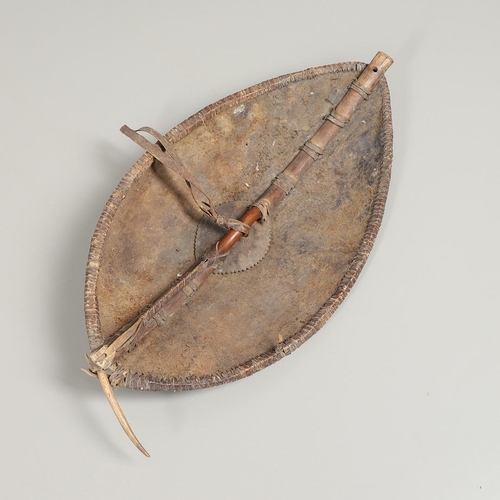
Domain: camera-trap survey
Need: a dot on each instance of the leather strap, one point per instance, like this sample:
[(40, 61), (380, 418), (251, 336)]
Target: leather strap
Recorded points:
[(166, 154), (360, 89)]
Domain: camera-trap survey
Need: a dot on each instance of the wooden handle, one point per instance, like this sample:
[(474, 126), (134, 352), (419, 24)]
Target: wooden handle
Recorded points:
[(103, 357)]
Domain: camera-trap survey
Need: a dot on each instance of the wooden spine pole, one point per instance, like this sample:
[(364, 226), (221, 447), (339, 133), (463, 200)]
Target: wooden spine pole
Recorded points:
[(169, 302)]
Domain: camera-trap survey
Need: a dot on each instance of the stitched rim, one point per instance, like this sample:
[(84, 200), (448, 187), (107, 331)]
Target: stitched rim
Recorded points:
[(147, 382)]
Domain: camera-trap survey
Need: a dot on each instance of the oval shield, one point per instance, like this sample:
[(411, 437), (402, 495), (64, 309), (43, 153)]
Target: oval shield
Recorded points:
[(252, 304)]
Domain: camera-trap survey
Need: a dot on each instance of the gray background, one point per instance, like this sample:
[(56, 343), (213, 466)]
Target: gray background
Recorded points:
[(397, 397)]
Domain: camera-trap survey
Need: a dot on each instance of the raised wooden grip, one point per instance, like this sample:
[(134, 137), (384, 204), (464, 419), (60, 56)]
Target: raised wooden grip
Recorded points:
[(359, 90)]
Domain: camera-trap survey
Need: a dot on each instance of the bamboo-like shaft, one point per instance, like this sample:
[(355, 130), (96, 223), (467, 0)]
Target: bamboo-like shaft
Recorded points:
[(168, 303)]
